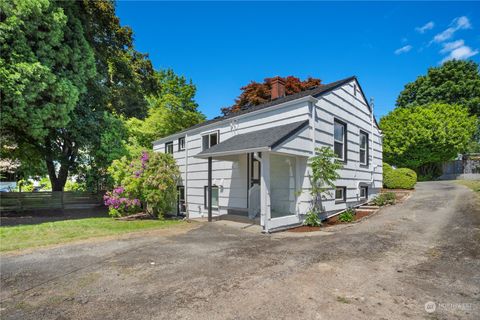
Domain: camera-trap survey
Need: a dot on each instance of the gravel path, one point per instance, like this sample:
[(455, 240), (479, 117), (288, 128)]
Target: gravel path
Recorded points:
[(386, 267)]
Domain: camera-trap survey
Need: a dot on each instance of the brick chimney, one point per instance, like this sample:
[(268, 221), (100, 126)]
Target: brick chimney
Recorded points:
[(278, 88)]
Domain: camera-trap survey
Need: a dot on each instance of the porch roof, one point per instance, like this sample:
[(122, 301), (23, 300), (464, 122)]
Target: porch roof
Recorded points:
[(255, 141)]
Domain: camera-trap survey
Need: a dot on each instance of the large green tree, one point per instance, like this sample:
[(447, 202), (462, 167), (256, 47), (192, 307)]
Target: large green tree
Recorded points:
[(62, 65), (420, 137), (171, 109), (454, 82)]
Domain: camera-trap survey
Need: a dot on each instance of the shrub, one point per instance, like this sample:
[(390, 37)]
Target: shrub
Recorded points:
[(402, 178), (151, 179), (312, 219), (347, 216), (119, 204), (384, 199)]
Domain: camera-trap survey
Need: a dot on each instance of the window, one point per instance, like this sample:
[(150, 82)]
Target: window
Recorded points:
[(214, 197), (363, 148), (340, 139), (181, 143), (340, 194), (181, 204), (209, 140), (169, 147), (363, 192)]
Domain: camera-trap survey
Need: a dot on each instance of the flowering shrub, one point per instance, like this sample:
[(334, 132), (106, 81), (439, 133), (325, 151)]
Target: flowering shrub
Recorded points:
[(150, 179), (119, 204)]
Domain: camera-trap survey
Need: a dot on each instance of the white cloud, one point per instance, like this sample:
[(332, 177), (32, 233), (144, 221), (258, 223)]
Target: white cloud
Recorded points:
[(449, 46), (403, 49), (458, 23), (425, 27), (460, 53)]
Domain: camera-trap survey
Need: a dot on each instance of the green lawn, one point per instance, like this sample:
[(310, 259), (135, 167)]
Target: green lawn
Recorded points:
[(472, 184), (28, 236)]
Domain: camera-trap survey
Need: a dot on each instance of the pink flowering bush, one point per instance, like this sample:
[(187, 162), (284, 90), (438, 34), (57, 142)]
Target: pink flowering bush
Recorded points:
[(119, 204), (148, 182)]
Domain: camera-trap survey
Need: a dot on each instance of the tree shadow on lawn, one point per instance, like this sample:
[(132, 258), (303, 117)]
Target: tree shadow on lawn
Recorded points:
[(51, 215)]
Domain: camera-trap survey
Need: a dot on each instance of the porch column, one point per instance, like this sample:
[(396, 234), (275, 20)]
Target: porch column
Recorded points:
[(209, 189), (265, 191)]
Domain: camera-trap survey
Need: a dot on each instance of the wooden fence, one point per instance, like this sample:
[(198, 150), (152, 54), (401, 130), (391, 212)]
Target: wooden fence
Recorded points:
[(21, 201)]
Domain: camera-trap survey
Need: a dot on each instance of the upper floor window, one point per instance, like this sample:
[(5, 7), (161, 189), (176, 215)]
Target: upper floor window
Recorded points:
[(363, 148), (181, 143), (340, 139), (209, 140), (169, 147)]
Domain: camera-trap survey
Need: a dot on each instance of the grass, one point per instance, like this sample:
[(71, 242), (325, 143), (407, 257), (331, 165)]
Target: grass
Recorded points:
[(29, 236), (472, 184)]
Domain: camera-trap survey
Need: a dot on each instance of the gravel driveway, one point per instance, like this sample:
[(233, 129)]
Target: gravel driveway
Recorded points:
[(385, 267)]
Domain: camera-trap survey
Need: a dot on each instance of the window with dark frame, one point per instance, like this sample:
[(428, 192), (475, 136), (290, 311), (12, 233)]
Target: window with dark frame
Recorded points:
[(209, 140), (214, 197), (363, 192), (169, 147), (363, 148), (181, 143), (340, 194), (340, 139)]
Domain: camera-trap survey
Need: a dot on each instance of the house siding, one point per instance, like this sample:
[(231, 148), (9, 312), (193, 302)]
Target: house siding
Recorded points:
[(231, 176)]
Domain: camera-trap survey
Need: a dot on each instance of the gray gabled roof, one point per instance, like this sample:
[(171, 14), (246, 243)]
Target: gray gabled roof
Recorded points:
[(314, 92), (265, 139)]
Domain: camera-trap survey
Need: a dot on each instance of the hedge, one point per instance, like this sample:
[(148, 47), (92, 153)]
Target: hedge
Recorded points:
[(401, 178)]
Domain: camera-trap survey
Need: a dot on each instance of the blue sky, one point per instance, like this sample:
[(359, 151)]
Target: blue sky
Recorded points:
[(222, 46)]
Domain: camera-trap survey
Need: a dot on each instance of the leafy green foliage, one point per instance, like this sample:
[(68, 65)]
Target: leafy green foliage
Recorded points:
[(171, 110), (400, 178), (454, 82), (152, 178), (312, 219), (347, 216), (63, 64), (324, 173), (419, 136), (384, 199)]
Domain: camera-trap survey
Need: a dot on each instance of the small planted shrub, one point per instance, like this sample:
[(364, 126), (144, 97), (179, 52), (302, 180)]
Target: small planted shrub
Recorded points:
[(312, 219), (384, 199), (401, 178), (347, 216)]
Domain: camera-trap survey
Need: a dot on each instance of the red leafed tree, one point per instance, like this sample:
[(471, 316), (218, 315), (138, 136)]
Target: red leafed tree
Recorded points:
[(256, 93)]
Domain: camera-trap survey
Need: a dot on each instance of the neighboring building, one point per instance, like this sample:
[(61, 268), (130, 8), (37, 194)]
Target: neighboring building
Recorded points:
[(256, 159), (465, 167)]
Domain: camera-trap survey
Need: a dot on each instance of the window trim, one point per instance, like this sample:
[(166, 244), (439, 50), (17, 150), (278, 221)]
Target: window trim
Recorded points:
[(367, 148), (167, 144), (205, 200), (344, 124), (179, 144), (365, 197), (344, 192), (216, 132)]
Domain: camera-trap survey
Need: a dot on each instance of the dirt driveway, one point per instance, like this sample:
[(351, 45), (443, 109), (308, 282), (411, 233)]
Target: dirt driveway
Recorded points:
[(386, 267)]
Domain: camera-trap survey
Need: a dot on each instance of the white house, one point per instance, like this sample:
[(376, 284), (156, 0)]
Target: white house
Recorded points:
[(255, 161)]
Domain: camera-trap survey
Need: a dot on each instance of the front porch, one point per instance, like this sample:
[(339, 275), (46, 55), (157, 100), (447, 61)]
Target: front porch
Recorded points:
[(273, 182)]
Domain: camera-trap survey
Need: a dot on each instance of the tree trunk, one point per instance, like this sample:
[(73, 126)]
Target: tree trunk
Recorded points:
[(68, 159)]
